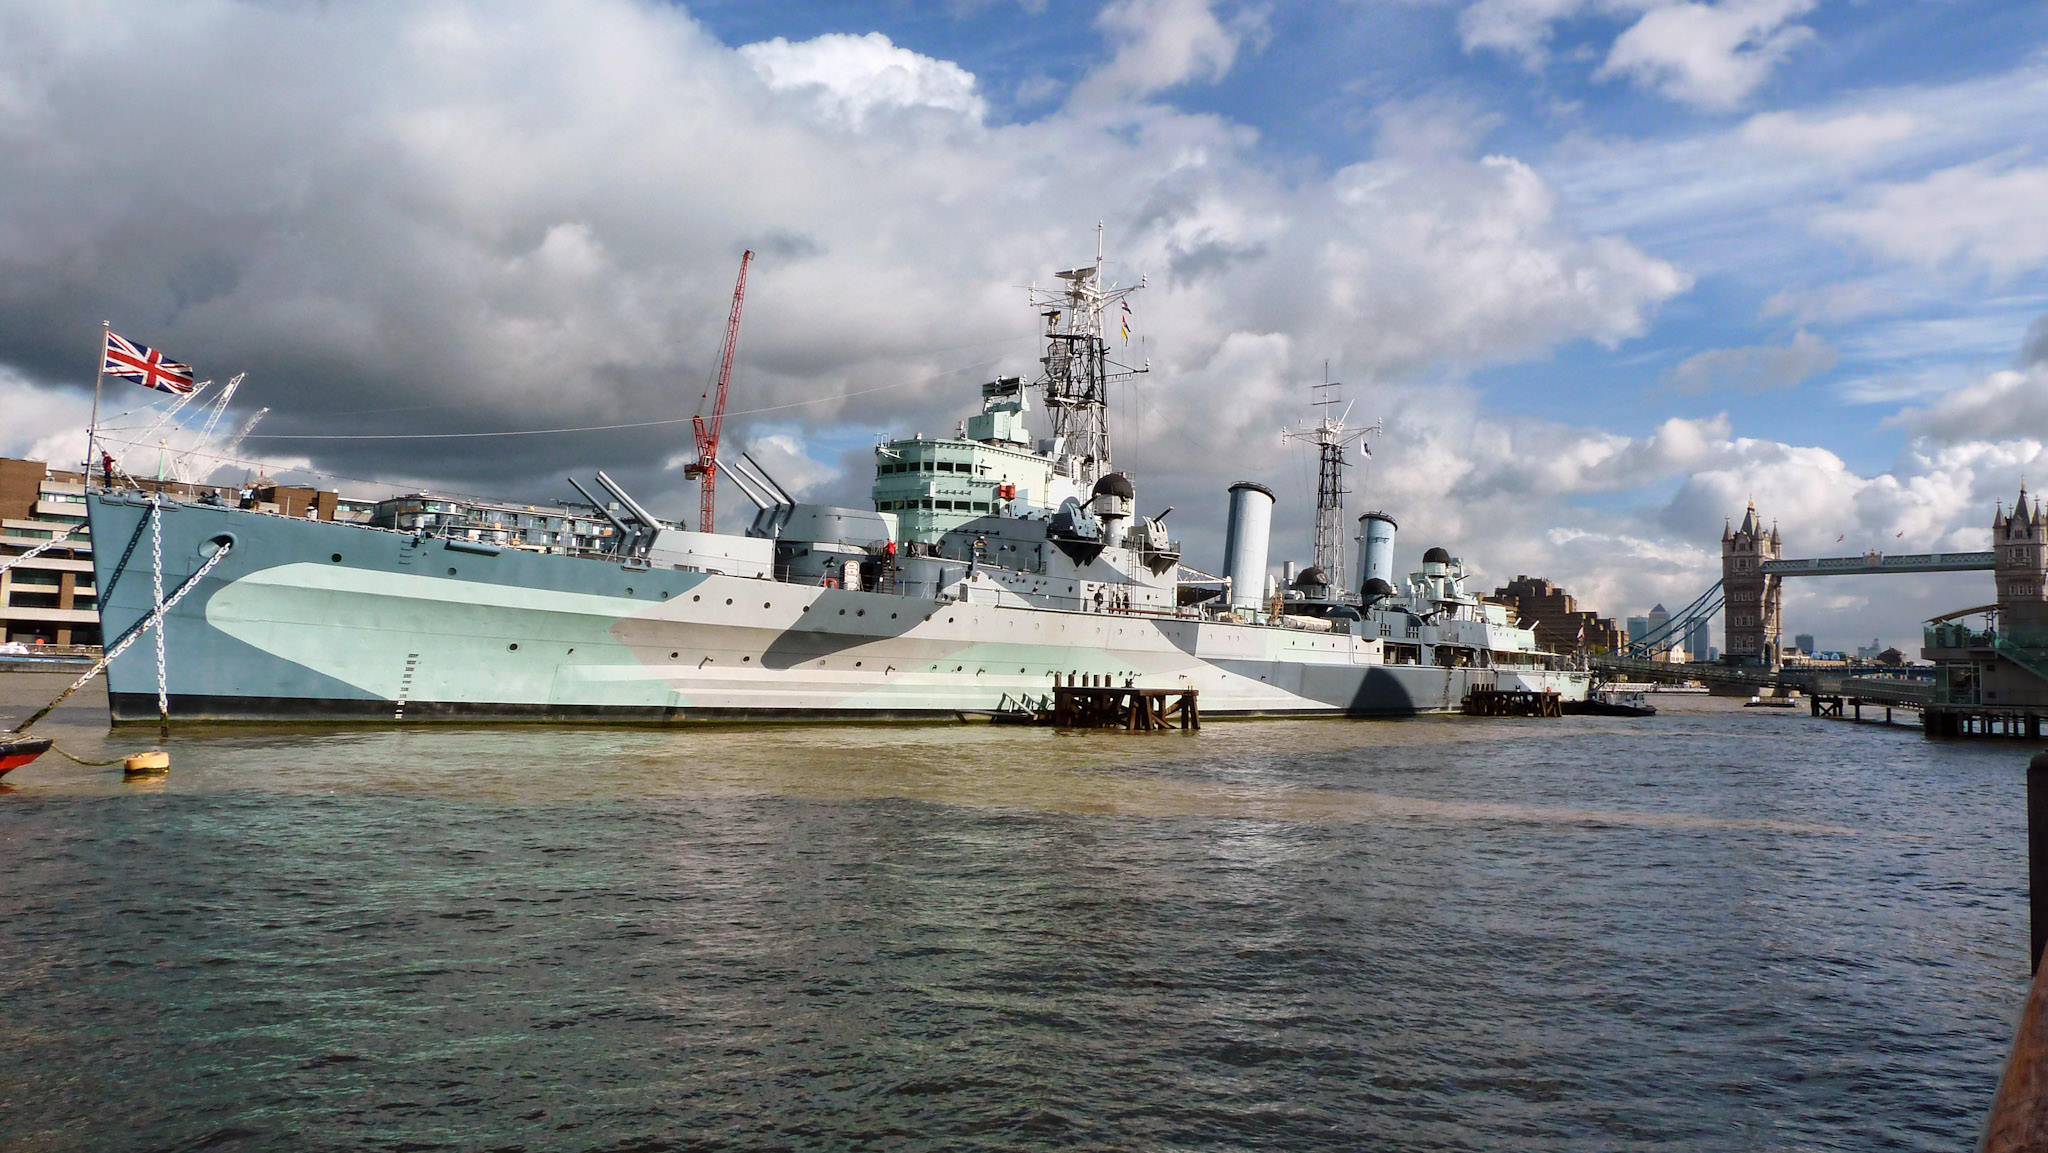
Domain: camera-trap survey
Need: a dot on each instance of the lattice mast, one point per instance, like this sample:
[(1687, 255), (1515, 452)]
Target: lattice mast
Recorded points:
[(705, 467), (1330, 435), (1078, 368)]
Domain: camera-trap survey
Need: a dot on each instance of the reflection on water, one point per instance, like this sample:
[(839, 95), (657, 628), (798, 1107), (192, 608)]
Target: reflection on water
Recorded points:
[(1708, 930)]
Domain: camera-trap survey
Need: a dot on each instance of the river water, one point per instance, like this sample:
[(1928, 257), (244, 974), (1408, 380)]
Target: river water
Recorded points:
[(1715, 929)]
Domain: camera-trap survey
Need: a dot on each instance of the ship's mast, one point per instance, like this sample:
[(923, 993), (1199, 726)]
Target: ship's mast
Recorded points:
[(1078, 368), (1329, 434)]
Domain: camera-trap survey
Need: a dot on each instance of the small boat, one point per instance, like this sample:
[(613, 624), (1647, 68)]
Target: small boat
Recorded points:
[(1611, 703), (1761, 702), (18, 751)]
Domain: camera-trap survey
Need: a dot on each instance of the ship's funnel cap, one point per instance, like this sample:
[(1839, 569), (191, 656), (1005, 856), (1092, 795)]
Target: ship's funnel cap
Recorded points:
[(1436, 556), (1312, 577)]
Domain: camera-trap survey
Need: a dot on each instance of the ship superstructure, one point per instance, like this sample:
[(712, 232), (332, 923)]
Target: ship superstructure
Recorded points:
[(992, 563)]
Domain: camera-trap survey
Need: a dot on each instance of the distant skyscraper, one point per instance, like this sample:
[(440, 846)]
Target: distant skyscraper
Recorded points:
[(1660, 617), (1638, 628), (1805, 643), (1696, 640)]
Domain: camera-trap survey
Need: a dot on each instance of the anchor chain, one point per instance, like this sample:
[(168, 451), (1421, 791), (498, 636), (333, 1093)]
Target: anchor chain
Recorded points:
[(39, 550), (133, 634), (156, 560)]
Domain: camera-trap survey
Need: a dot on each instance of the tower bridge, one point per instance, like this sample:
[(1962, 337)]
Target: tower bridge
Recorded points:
[(1994, 679), (1754, 567)]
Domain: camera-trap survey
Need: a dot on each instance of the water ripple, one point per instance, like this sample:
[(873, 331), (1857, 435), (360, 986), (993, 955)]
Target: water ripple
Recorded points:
[(1708, 931)]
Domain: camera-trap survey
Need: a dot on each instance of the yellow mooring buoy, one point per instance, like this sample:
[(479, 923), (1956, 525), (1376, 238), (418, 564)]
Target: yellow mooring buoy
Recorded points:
[(147, 764)]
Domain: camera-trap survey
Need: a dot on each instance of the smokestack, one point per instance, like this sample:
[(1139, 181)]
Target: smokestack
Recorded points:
[(1376, 548), (1245, 542)]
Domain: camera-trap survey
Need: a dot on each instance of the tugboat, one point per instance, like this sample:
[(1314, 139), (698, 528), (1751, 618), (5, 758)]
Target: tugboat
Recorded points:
[(1611, 701)]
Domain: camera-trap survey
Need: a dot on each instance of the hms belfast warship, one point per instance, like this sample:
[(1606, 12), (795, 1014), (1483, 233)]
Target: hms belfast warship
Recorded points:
[(993, 565)]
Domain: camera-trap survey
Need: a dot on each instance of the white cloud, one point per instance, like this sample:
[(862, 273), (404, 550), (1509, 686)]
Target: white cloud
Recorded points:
[(1515, 27), (1842, 301), (42, 423), (1756, 369), (1999, 404), (1481, 261), (1983, 214), (1160, 44), (1711, 56), (1853, 136), (851, 78)]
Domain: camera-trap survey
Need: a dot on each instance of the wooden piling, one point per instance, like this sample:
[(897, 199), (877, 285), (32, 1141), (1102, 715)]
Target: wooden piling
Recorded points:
[(2037, 857), (1486, 702), (2019, 1113), (1126, 707)]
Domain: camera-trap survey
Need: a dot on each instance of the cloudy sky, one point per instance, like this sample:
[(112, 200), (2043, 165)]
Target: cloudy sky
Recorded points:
[(1605, 269)]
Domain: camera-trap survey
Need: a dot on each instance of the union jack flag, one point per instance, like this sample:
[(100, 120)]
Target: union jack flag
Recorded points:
[(145, 366)]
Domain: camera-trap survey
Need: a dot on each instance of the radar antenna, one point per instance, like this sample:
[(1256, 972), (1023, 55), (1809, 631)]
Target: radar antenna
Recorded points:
[(1330, 434), (1078, 368)]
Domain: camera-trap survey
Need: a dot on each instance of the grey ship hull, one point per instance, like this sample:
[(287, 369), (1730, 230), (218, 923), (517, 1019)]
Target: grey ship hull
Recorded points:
[(313, 620)]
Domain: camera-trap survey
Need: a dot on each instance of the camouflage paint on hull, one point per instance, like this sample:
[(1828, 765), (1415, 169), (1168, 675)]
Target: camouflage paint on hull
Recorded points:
[(306, 619)]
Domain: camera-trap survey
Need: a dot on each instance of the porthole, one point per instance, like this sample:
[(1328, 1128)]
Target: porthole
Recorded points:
[(842, 612), (728, 600), (673, 656), (513, 647), (860, 612), (766, 605), (336, 558), (746, 658), (629, 590), (695, 597), (856, 664), (451, 572), (664, 594), (892, 616)]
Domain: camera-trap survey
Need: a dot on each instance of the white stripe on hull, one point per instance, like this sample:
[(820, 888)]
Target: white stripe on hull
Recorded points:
[(730, 644)]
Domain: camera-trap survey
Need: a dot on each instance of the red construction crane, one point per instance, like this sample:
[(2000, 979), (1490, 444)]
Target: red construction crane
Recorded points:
[(706, 465)]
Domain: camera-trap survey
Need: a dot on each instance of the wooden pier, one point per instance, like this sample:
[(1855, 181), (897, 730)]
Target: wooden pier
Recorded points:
[(1830, 705), (1513, 703), (2017, 722), (1123, 707)]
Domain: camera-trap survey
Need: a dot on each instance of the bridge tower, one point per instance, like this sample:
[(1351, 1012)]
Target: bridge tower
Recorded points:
[(1751, 612), (2021, 569)]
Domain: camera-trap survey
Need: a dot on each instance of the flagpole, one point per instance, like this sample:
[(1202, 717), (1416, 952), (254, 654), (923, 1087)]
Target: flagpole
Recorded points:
[(92, 429)]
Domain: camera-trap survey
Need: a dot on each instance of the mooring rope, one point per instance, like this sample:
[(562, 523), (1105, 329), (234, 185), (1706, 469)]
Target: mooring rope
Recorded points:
[(76, 759)]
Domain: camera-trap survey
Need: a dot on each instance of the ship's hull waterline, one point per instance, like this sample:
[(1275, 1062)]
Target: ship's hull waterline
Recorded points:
[(314, 620)]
